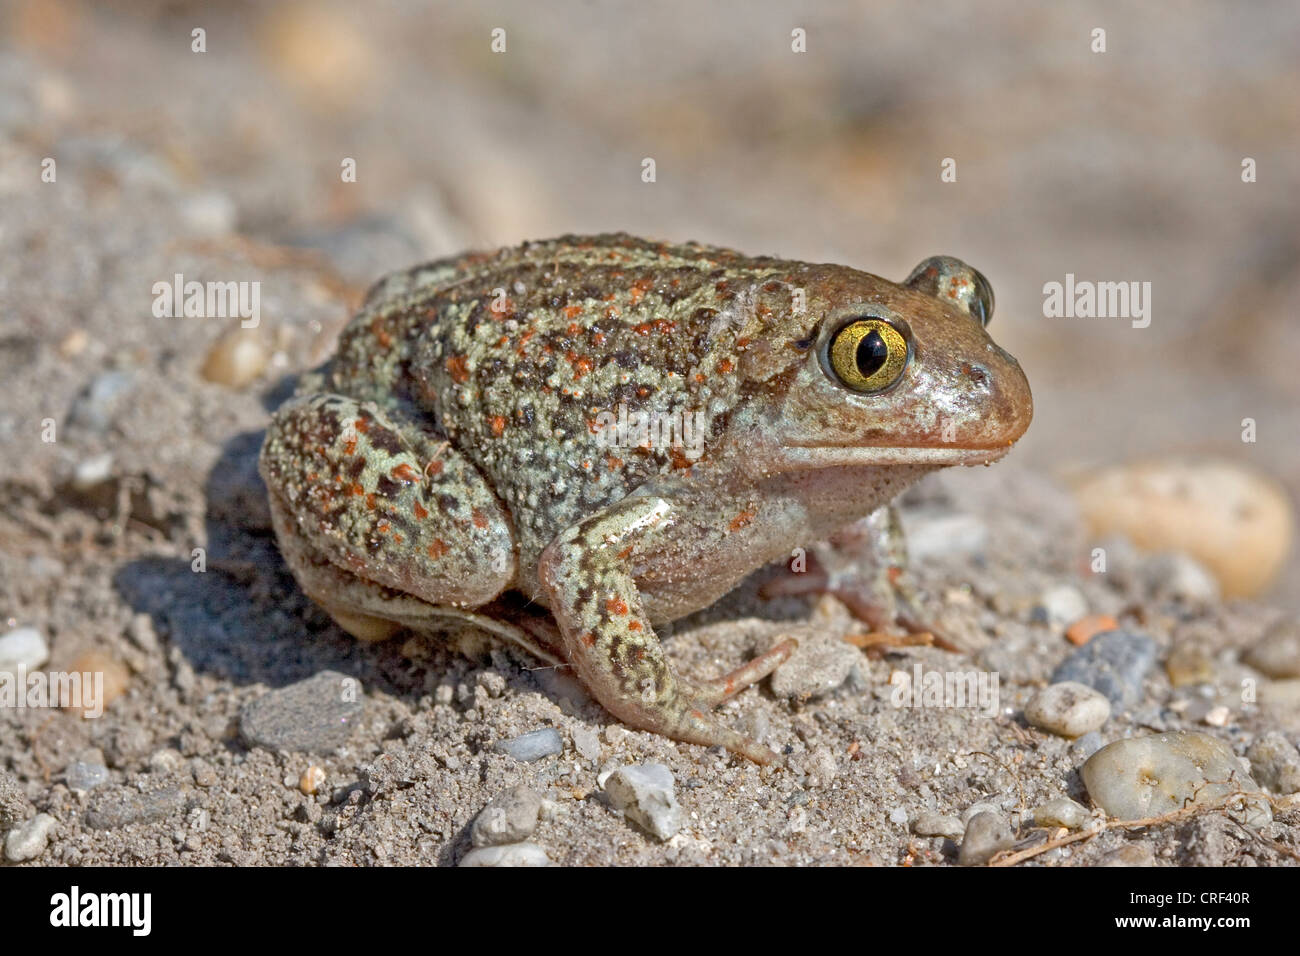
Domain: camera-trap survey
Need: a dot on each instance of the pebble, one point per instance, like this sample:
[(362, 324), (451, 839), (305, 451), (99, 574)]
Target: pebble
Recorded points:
[(1177, 575), (644, 793), (312, 779), (23, 647), (898, 815), (1276, 654), (1157, 774), (1217, 716), (116, 680), (586, 743), (120, 808), (1234, 521), (1114, 663), (84, 776), (14, 804), (1086, 628), (1276, 763), (1061, 812), (819, 666), (237, 358), (533, 745), (1086, 746), (984, 806), (28, 840), (930, 536), (1069, 709), (103, 399), (930, 823), (986, 835), (316, 715), (203, 773), (512, 854), (1062, 604), (1131, 854), (92, 472), (1188, 665), (509, 817), (142, 634)]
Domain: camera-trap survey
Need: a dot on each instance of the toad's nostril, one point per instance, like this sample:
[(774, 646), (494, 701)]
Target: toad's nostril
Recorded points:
[(977, 374)]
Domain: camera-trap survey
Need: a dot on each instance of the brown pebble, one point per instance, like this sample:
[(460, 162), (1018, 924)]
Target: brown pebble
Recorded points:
[(1086, 628), (312, 779), (116, 678), (236, 359)]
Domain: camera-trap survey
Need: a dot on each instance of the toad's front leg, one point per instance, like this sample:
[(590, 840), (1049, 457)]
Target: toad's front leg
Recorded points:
[(587, 574)]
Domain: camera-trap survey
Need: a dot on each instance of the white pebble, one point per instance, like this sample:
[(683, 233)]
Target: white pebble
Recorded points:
[(1069, 709), (24, 646), (28, 840), (511, 854), (645, 795)]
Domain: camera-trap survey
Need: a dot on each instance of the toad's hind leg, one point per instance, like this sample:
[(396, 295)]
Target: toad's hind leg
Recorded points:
[(380, 521)]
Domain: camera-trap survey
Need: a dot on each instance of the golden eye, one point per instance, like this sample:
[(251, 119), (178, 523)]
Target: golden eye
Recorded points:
[(868, 355)]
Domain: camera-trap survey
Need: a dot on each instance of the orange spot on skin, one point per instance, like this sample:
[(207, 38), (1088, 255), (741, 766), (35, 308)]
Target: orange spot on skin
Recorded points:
[(742, 343), (480, 519), (358, 490), (613, 312), (404, 472), (572, 311), (498, 425), (370, 501), (725, 366), (421, 512), (616, 605), (598, 338), (349, 446), (678, 458), (398, 538), (639, 289), (742, 519), (458, 368), (380, 333), (433, 468), (362, 424), (634, 625), (614, 463), (625, 553), (437, 549), (573, 328), (589, 639), (581, 367)]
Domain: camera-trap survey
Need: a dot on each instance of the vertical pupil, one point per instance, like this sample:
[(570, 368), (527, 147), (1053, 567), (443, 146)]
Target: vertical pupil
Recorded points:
[(872, 353)]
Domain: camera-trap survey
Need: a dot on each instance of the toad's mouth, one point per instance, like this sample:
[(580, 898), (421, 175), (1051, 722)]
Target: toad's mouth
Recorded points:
[(798, 457)]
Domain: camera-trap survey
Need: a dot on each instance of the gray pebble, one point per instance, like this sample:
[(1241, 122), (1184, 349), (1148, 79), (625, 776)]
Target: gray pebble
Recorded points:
[(1178, 575), (509, 817), (1276, 763), (1061, 606), (28, 840), (120, 808), (984, 806), (1086, 746), (84, 776), (1131, 854), (512, 854), (819, 666), (102, 401), (645, 795), (533, 745), (930, 823), (986, 835), (1061, 812), (586, 743), (316, 715), (1069, 709), (23, 647), (1157, 774), (1114, 663), (1277, 653)]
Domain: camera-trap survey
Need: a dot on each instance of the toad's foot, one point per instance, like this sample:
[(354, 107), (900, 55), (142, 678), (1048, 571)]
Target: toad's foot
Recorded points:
[(586, 572)]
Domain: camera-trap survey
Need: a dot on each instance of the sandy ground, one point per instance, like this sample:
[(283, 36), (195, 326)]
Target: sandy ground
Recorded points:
[(224, 166)]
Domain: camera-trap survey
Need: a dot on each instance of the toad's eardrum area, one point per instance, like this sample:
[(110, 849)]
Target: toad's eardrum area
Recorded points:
[(620, 430)]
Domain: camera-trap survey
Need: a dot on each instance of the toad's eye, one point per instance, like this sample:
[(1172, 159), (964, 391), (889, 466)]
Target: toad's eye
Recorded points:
[(868, 355)]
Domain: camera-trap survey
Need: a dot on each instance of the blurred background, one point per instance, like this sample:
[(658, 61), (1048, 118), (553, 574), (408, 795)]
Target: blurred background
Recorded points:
[(1117, 166)]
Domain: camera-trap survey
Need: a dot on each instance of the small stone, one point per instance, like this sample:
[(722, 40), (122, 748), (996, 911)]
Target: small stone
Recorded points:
[(237, 358), (1131, 854), (316, 715), (116, 678), (83, 776), (1115, 663), (165, 761), (1276, 763), (1276, 654), (533, 745), (14, 804), (1177, 575), (23, 647), (820, 767), (92, 472), (1086, 628), (510, 817), (819, 666), (142, 634), (27, 841), (1068, 709), (1061, 812), (930, 823), (1188, 665), (119, 808), (512, 854), (645, 795), (984, 806), (1217, 716), (987, 834), (898, 815), (204, 775), (1062, 604), (312, 779), (1087, 745), (1150, 776), (586, 743)]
